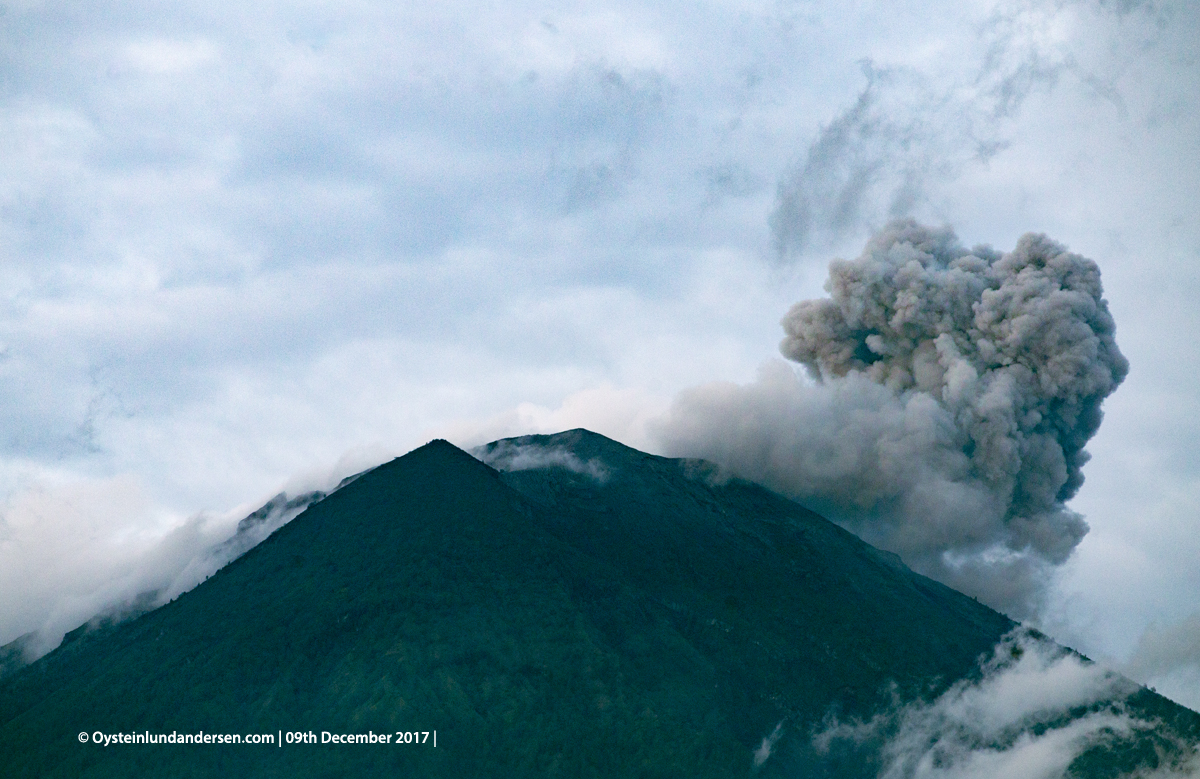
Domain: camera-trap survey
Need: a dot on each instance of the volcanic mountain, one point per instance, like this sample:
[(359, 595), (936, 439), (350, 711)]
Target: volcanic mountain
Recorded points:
[(581, 609)]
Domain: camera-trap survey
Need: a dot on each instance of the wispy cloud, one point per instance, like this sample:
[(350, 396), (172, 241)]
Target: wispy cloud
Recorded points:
[(519, 455), (916, 126)]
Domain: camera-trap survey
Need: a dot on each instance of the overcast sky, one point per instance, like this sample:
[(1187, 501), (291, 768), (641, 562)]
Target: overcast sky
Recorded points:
[(251, 247)]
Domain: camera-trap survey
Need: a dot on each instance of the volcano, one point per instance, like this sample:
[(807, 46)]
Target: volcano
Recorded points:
[(580, 609)]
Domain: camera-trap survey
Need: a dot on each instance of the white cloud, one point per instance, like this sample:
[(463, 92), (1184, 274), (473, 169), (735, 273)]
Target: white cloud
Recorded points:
[(160, 57), (1033, 710)]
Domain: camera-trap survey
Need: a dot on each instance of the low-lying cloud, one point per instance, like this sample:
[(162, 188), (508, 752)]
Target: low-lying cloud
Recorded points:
[(519, 455), (952, 393), (1030, 713), (91, 551)]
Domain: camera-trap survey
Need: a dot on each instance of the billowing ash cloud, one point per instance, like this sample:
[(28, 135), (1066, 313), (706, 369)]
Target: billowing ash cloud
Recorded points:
[(1019, 349), (1033, 710), (953, 393)]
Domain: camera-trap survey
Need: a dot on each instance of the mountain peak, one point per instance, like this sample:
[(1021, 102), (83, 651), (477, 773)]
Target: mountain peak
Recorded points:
[(579, 440), (439, 458), (591, 610)]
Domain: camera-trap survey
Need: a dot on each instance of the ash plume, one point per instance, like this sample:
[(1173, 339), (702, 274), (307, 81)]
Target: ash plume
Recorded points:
[(951, 395)]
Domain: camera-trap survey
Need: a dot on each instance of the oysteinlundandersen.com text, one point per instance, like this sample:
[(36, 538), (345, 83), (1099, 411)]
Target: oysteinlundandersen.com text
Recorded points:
[(292, 737)]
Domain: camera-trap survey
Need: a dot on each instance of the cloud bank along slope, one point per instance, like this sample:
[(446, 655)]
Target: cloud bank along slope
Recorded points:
[(1031, 712), (98, 552), (951, 394)]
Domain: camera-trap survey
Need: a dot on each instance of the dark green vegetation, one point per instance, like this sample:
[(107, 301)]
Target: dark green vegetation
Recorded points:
[(543, 621)]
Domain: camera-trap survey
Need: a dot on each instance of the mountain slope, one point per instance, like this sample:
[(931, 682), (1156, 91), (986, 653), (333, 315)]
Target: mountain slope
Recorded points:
[(737, 558), (602, 613)]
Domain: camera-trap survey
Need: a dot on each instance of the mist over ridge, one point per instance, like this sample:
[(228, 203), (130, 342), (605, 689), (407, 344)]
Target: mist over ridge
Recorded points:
[(951, 394)]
